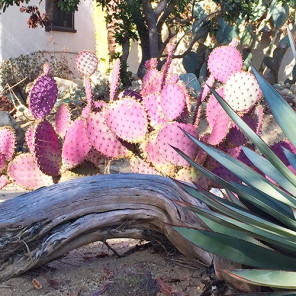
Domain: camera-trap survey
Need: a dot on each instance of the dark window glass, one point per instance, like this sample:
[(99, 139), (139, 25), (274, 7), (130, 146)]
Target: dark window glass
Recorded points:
[(59, 20)]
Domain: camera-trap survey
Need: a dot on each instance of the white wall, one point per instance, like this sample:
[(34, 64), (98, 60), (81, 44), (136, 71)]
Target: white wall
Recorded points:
[(16, 38)]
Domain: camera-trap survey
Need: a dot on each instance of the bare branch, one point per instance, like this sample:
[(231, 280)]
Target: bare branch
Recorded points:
[(160, 8)]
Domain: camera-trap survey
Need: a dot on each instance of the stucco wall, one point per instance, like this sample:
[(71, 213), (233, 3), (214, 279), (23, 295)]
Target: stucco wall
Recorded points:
[(16, 38)]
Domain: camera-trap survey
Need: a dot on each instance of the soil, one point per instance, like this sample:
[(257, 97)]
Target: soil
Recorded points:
[(123, 266)]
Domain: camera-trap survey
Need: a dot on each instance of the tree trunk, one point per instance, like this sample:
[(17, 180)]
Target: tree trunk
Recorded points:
[(44, 224)]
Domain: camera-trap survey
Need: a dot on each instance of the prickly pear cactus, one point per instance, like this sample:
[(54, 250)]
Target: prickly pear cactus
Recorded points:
[(2, 163), (42, 96), (7, 142), (224, 61), (87, 62), (26, 173), (30, 138), (171, 135), (127, 119), (242, 91), (47, 148), (172, 101), (3, 181), (102, 138), (62, 120), (76, 144), (114, 78)]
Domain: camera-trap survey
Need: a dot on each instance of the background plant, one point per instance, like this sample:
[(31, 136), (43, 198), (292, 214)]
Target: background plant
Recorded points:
[(24, 69)]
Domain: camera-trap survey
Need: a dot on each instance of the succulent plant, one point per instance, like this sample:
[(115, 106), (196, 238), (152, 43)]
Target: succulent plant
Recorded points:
[(255, 224)]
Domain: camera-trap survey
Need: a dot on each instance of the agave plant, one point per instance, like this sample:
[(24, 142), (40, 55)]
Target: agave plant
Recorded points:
[(254, 223)]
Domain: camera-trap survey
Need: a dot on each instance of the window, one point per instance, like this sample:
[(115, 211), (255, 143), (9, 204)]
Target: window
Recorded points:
[(59, 20)]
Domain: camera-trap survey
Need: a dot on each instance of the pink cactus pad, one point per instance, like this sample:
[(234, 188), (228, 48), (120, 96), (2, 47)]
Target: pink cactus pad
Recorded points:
[(151, 73), (242, 91), (127, 119), (153, 156), (224, 61), (3, 181), (47, 149), (26, 173), (172, 100), (99, 105), (218, 120), (139, 166), (114, 79), (166, 68), (62, 120), (153, 85), (153, 108), (171, 134), (2, 163), (30, 134), (86, 111), (213, 110), (87, 62), (88, 90), (102, 138), (94, 156), (76, 144), (206, 89), (7, 142), (42, 96)]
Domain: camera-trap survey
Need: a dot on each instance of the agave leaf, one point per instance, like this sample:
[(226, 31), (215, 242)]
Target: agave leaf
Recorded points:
[(292, 42), (269, 205), (281, 110), (246, 174), (233, 198), (240, 229), (256, 140), (268, 169), (237, 250), (291, 157), (239, 213), (270, 278), (220, 226)]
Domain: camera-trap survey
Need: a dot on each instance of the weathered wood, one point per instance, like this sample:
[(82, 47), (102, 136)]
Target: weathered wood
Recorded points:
[(42, 225)]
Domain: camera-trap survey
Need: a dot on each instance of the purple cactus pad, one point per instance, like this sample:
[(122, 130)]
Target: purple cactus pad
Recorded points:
[(139, 166), (42, 96), (114, 79), (30, 134), (2, 163), (47, 149)]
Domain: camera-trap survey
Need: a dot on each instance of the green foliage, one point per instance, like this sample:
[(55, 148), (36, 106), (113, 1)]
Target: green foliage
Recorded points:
[(25, 68)]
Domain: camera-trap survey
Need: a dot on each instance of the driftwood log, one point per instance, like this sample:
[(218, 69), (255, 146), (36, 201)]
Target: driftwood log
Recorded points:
[(45, 224)]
